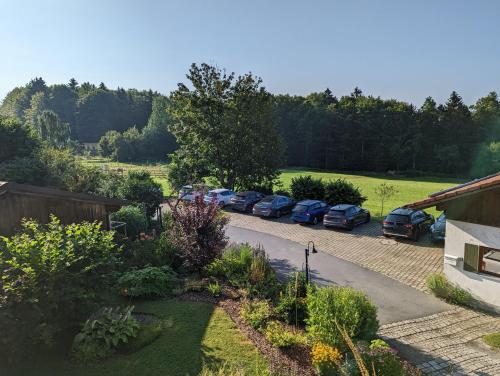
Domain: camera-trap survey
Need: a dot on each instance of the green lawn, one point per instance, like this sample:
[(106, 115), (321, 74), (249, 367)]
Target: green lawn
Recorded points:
[(409, 189), (194, 334)]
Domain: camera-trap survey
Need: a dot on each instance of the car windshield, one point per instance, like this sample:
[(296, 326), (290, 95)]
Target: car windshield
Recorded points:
[(299, 208), (397, 218), (268, 199), (441, 218), (212, 194), (337, 212)]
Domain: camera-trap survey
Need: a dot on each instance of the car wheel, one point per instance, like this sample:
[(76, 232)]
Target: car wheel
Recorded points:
[(387, 235), (416, 235), (221, 204), (315, 221), (368, 218), (278, 213)]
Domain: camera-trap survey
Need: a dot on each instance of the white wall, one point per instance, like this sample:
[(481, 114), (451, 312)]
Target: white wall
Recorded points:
[(482, 286)]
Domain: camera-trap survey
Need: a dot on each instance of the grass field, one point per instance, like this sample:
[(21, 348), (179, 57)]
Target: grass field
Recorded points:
[(409, 189), (194, 334)]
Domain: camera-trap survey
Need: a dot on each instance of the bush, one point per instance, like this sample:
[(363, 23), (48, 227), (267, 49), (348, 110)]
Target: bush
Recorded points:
[(134, 218), (154, 252), (140, 188), (325, 359), (50, 280), (442, 288), (377, 344), (385, 361), (198, 233), (280, 336), (262, 279), (214, 288), (292, 305), (341, 191), (148, 281), (255, 313), (344, 306), (101, 335), (307, 187)]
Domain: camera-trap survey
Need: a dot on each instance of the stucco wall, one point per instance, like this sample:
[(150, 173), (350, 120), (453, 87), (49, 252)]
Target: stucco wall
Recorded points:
[(482, 286)]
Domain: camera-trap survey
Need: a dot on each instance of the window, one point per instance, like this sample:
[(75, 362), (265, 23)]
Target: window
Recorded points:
[(322, 205), (481, 259)]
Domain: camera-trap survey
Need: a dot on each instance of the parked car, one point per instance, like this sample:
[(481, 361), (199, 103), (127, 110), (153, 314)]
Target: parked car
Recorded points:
[(407, 223), (309, 211), (438, 229), (190, 192), (273, 206), (221, 196), (346, 216), (244, 201)]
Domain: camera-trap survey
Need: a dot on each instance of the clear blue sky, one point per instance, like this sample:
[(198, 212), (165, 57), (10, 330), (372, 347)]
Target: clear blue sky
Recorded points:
[(396, 49)]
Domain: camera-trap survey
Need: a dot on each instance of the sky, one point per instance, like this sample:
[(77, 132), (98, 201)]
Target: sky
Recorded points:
[(400, 49)]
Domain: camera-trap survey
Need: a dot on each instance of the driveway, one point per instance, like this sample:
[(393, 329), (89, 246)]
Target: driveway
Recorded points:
[(395, 301)]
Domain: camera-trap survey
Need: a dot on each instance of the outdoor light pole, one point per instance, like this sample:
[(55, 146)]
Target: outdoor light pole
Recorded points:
[(313, 250)]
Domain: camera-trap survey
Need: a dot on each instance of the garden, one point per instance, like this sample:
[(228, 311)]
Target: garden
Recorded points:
[(76, 299)]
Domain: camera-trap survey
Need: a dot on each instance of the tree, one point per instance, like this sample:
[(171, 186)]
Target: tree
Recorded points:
[(229, 123), (487, 160), (15, 140), (385, 191), (73, 84), (52, 130), (140, 188)]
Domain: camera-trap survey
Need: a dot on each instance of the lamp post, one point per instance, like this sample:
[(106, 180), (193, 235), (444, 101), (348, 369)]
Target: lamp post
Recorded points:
[(307, 251)]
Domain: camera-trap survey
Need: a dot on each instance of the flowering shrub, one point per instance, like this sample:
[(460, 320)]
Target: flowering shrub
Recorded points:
[(325, 359), (197, 232)]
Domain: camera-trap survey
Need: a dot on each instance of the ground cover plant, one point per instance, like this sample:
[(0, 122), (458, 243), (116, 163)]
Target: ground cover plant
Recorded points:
[(492, 339), (442, 288), (151, 281)]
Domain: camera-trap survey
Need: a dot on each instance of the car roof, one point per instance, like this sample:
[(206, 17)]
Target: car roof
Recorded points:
[(308, 202), (342, 206), (402, 211), (219, 190)]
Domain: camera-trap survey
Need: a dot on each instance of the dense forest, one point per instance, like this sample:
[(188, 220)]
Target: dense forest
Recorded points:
[(354, 132)]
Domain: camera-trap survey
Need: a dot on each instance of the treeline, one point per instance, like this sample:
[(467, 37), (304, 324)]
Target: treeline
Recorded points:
[(89, 110), (366, 133)]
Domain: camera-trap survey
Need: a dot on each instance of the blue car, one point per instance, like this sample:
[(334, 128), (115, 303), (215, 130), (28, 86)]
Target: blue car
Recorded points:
[(309, 211)]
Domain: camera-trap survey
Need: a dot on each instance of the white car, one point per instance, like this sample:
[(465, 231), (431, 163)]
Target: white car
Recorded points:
[(222, 196), (190, 192)]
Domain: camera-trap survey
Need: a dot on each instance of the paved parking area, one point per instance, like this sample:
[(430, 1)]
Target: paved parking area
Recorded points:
[(405, 261)]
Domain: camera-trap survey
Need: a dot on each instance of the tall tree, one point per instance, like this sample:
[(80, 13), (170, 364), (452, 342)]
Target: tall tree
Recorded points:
[(52, 131), (230, 123)]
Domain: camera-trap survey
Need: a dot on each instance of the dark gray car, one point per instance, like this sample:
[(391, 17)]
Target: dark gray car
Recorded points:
[(244, 201), (273, 206), (438, 229)]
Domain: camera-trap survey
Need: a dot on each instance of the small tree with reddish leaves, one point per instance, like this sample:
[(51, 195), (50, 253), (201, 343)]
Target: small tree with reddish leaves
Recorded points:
[(198, 232)]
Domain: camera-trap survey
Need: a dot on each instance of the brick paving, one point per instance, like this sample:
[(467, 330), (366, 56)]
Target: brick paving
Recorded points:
[(447, 343), (405, 261)]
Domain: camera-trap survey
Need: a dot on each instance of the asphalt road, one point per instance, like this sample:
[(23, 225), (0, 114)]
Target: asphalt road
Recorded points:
[(395, 301)]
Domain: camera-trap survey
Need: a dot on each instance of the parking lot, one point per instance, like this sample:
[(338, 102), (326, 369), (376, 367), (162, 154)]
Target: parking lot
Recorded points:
[(405, 261)]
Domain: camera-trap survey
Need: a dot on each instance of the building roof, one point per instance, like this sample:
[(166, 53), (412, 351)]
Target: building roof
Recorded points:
[(472, 187), (10, 187)]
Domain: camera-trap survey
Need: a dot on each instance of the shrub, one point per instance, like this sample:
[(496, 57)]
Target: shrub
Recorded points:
[(385, 361), (154, 252), (101, 335), (307, 187), (441, 287), (262, 276), (280, 336), (198, 233), (341, 191), (214, 288), (255, 313), (139, 187), (50, 279), (344, 306), (377, 344), (134, 218), (325, 359), (292, 305), (148, 281)]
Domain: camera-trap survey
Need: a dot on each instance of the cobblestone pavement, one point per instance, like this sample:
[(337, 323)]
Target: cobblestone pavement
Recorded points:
[(447, 343), (405, 261)]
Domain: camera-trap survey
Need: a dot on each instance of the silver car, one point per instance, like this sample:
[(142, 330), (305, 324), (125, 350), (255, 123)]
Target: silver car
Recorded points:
[(438, 229)]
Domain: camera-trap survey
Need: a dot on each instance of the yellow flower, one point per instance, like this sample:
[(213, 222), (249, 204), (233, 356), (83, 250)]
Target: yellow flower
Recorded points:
[(324, 355)]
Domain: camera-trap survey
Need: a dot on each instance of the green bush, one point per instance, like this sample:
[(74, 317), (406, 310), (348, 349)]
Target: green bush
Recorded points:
[(214, 288), (148, 281), (292, 305), (341, 191), (140, 188), (255, 313), (385, 361), (263, 282), (281, 336), (307, 187), (51, 276), (134, 218), (154, 252), (442, 288), (344, 306), (102, 335)]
